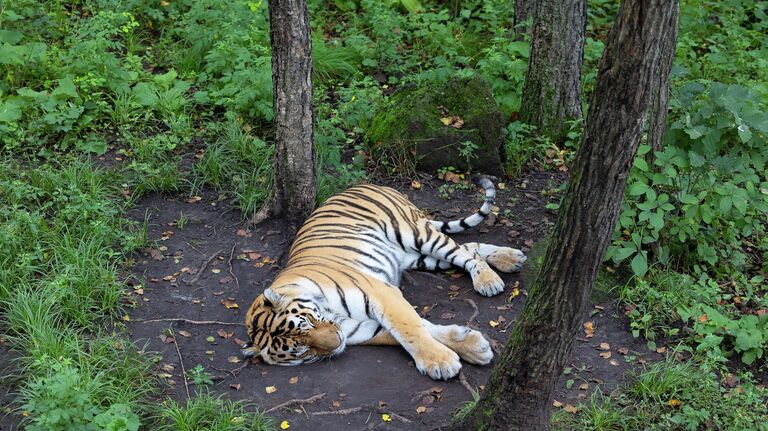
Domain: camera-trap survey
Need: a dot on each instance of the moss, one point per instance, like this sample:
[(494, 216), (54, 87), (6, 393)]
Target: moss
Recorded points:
[(412, 116)]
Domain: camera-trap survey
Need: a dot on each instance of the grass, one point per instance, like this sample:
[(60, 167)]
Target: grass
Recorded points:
[(207, 412), (674, 396)]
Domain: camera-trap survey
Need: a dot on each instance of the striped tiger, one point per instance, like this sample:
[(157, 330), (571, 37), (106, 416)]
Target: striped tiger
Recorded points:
[(340, 285)]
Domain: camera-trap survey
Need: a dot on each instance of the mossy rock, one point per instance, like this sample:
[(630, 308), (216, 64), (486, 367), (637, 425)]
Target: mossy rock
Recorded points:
[(409, 124)]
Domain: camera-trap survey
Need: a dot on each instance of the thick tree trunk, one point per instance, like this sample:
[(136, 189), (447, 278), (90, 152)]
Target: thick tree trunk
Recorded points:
[(523, 11), (293, 195), (519, 393), (552, 91), (657, 113)]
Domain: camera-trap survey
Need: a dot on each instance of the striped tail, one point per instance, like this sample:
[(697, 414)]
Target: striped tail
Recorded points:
[(455, 226)]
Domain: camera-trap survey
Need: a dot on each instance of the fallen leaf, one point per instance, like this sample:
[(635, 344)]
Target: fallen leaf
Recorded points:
[(456, 122), (293, 380), (164, 375), (242, 232), (557, 404), (194, 199), (589, 329), (225, 280), (233, 359), (456, 275), (493, 323), (169, 278), (584, 386), (730, 380), (224, 334), (156, 254), (614, 362), (336, 404), (210, 339), (446, 121), (382, 404), (229, 303), (415, 185), (127, 318), (447, 316), (501, 186), (622, 350), (168, 368), (386, 418), (421, 409), (167, 339), (661, 349), (605, 346), (284, 425), (571, 409), (215, 270), (270, 389), (703, 318), (235, 386), (761, 311), (673, 402), (166, 235)]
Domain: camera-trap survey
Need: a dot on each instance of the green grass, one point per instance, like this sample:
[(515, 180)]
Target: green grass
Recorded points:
[(674, 396), (207, 412)]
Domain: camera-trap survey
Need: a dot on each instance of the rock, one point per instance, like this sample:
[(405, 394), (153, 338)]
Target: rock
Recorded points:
[(430, 124)]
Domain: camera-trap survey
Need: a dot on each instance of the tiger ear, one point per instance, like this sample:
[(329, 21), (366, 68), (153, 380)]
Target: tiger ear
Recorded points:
[(272, 299)]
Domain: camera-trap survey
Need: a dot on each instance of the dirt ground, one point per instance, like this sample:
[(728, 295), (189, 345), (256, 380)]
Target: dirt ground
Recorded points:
[(208, 266)]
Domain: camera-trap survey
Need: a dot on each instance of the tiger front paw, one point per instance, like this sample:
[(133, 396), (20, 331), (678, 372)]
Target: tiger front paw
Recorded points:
[(471, 345), (438, 362), (487, 282), (507, 259)]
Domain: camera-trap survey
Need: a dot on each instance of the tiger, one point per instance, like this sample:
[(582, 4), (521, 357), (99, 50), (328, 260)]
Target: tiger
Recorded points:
[(340, 285)]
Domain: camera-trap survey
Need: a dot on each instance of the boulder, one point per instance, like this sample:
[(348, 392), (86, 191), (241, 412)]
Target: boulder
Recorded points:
[(433, 123)]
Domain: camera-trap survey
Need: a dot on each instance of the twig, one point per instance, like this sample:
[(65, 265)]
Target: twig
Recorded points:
[(474, 306), (202, 268), (304, 410), (338, 412), (181, 362), (193, 322), (465, 383), (397, 416), (229, 263), (309, 400), (232, 372)]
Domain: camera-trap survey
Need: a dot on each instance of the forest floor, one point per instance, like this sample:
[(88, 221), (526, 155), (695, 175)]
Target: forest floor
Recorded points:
[(207, 265)]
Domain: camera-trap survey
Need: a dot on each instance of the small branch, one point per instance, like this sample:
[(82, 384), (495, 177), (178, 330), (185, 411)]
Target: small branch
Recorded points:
[(263, 213), (338, 412), (474, 306), (232, 372), (202, 268), (465, 383), (193, 322), (229, 263), (181, 362), (288, 403), (397, 416)]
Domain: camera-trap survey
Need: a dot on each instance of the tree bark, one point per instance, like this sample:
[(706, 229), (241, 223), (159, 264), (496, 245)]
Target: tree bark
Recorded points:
[(552, 90), (519, 393), (294, 189), (657, 115), (523, 11)]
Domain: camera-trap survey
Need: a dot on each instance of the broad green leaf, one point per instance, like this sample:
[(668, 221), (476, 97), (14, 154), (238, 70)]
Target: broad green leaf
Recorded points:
[(622, 253), (637, 188), (639, 264)]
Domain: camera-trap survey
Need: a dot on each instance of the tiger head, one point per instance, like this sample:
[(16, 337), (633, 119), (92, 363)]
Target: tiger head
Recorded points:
[(290, 331)]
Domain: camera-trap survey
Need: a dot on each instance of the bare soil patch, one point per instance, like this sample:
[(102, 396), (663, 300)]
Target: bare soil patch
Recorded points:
[(211, 268)]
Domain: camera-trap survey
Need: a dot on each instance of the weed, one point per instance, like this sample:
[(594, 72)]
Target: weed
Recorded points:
[(199, 376), (206, 412)]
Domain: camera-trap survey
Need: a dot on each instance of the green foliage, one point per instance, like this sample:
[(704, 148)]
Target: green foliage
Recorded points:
[(66, 400), (199, 376), (674, 396), (206, 412)]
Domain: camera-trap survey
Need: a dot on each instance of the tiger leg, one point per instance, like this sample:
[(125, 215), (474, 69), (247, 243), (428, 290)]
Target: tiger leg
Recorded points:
[(505, 259), (401, 322), (468, 343), (443, 248)]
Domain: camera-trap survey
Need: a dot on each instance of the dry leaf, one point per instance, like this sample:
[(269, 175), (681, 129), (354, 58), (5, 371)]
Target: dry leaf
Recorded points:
[(571, 409), (386, 418), (156, 254), (661, 349), (446, 121), (447, 316), (513, 294), (589, 329), (605, 346), (233, 359), (167, 367), (242, 232), (622, 350), (293, 380), (224, 334), (127, 318), (557, 404), (703, 318), (415, 185), (584, 386), (284, 425), (614, 362), (210, 339), (673, 402), (336, 404), (421, 409), (229, 303), (605, 355), (270, 389), (493, 323), (215, 270), (194, 199)]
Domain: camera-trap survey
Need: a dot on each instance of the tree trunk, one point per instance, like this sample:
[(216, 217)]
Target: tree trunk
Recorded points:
[(519, 393), (523, 11), (552, 91), (294, 190), (657, 115)]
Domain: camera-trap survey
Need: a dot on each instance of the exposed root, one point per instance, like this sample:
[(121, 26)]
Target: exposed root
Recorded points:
[(202, 268), (474, 306), (181, 362), (341, 412), (229, 263), (289, 403), (464, 382), (193, 322)]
